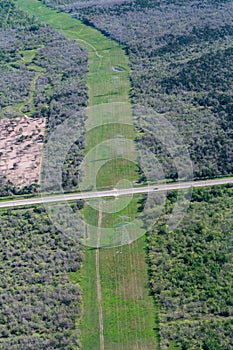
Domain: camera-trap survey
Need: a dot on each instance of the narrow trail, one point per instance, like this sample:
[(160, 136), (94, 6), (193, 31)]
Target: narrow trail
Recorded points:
[(98, 282), (93, 47)]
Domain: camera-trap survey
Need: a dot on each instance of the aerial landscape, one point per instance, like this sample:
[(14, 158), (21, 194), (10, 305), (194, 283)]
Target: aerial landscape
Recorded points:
[(116, 175)]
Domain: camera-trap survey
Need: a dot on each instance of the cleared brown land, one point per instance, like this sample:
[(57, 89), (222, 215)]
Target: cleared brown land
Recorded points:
[(21, 146)]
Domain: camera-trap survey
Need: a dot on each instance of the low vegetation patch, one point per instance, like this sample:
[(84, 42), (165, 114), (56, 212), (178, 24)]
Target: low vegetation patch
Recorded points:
[(128, 310)]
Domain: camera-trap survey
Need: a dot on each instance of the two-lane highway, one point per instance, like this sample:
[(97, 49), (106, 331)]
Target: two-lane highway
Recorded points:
[(113, 193)]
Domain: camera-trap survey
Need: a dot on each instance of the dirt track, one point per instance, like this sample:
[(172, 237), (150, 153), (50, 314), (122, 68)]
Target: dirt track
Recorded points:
[(98, 282)]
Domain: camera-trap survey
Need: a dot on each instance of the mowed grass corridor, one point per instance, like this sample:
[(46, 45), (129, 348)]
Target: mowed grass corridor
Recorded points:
[(129, 314), (128, 311)]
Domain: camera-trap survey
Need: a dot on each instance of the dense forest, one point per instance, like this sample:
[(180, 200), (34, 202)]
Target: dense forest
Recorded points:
[(191, 273), (181, 60), (43, 74), (181, 56), (39, 305)]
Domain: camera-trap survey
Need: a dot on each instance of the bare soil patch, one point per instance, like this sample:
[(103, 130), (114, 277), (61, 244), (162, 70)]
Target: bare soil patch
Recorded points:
[(21, 146)]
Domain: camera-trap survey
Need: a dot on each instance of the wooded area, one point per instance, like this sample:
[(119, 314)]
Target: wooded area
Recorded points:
[(181, 58), (39, 305), (43, 74), (190, 273)]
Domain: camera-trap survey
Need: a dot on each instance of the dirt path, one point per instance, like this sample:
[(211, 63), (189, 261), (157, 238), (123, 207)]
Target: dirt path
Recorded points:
[(98, 282), (93, 47)]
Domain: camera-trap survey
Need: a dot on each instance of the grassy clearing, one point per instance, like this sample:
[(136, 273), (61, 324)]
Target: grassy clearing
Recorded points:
[(27, 58), (129, 314), (108, 131), (101, 160), (128, 213), (28, 55), (129, 317), (103, 53), (108, 90), (125, 298), (119, 168), (89, 326)]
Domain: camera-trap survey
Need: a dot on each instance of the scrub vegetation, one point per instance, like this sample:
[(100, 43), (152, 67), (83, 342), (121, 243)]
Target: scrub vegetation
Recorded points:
[(43, 75), (40, 306), (191, 273), (181, 60)]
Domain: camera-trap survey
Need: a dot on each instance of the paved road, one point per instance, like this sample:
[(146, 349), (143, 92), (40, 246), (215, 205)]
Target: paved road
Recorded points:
[(113, 193)]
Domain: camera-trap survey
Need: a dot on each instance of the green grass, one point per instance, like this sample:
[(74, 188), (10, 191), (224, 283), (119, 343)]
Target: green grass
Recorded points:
[(119, 168), (90, 215), (101, 79), (89, 325), (28, 55), (108, 131), (129, 314), (127, 214), (19, 109), (109, 220), (128, 311), (108, 90), (15, 109)]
